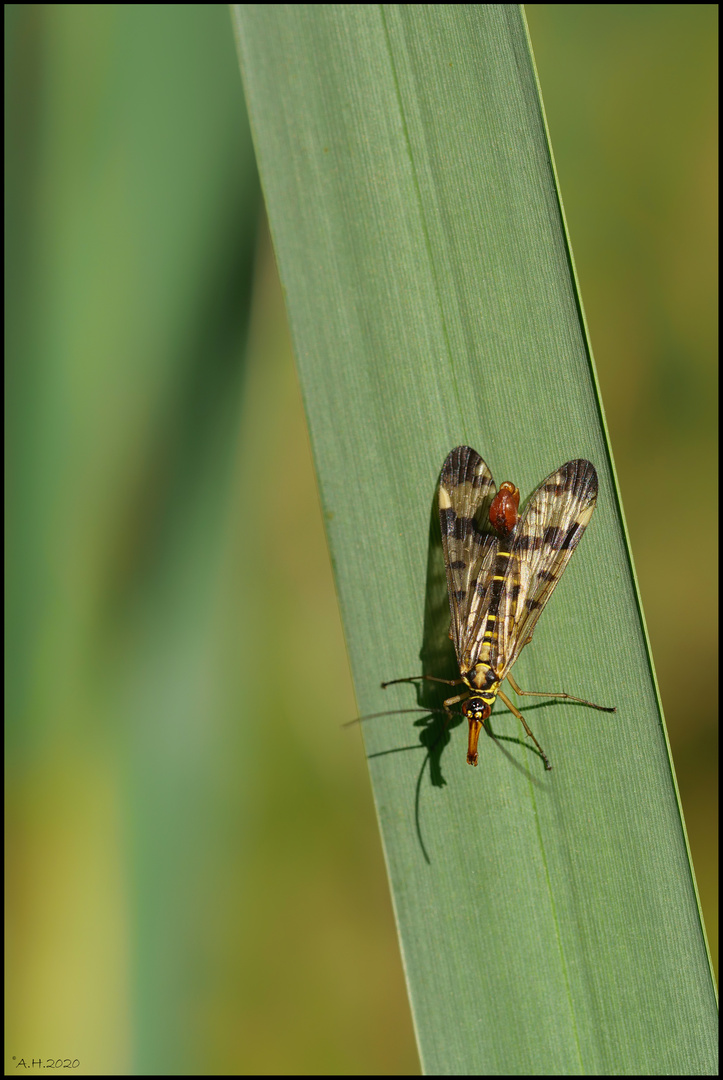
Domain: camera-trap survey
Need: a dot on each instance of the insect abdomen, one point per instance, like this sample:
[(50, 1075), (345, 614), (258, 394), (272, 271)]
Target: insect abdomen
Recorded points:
[(489, 650)]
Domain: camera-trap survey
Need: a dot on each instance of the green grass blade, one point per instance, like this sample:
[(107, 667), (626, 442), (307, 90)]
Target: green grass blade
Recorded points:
[(549, 922)]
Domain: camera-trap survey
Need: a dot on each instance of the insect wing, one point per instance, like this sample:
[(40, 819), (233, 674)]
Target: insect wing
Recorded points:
[(547, 533), (466, 490)]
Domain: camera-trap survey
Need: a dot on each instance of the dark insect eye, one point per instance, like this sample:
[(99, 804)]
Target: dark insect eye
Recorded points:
[(476, 709)]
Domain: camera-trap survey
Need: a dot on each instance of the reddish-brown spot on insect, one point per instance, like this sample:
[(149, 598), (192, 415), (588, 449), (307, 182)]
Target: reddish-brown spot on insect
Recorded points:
[(503, 510)]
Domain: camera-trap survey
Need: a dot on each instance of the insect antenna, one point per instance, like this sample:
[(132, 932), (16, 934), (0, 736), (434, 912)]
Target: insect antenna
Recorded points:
[(389, 712)]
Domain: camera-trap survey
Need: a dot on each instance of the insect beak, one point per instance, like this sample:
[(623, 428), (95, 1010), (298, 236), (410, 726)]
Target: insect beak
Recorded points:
[(474, 730)]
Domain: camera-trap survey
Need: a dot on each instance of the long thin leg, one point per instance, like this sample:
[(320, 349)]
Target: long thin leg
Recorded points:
[(449, 702), (520, 717), (429, 678), (454, 701), (568, 697), (433, 678)]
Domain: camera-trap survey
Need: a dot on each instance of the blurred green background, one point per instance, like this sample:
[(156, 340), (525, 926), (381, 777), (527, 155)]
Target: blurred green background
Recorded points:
[(194, 876)]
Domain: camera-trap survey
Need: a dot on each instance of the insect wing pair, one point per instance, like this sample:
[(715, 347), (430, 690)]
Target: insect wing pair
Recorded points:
[(502, 567)]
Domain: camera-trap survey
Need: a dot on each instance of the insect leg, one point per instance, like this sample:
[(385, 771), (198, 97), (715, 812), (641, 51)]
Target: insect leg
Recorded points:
[(429, 678), (520, 717), (569, 697), (447, 709), (453, 701)]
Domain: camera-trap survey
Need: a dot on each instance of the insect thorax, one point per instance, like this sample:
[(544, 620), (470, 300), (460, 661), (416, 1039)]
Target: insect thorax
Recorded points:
[(483, 682)]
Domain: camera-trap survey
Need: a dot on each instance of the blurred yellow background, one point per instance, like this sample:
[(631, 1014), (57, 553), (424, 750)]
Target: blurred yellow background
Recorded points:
[(194, 876)]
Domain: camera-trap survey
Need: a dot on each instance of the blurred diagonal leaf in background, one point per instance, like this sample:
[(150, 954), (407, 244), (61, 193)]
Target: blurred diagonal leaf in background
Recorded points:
[(188, 845), (134, 215)]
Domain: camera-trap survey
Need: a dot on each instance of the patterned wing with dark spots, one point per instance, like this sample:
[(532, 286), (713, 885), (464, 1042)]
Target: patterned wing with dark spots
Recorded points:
[(466, 489), (547, 533)]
